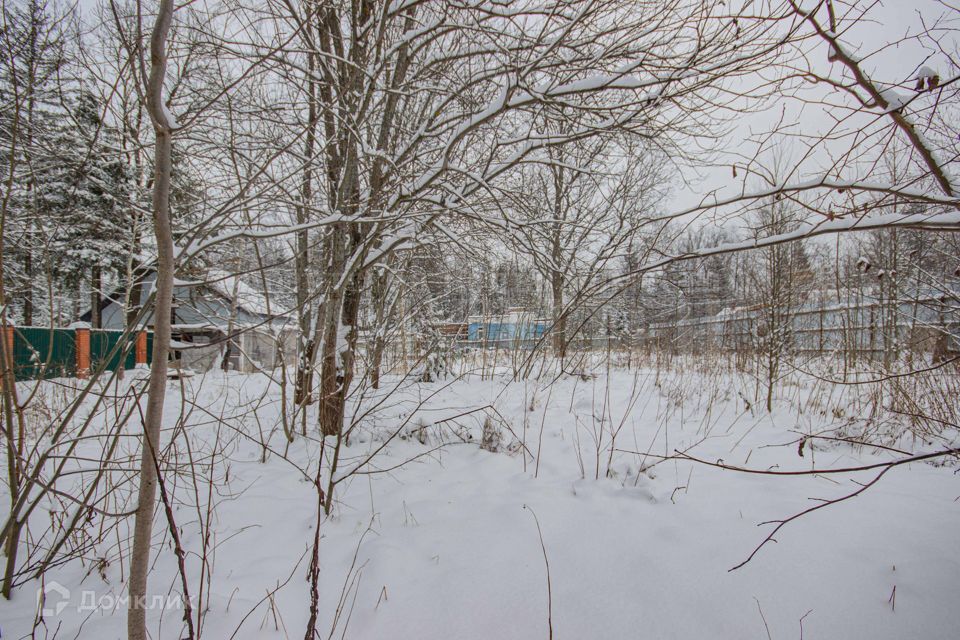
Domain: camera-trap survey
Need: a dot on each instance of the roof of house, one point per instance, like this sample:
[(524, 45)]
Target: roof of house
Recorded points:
[(232, 287), (220, 283)]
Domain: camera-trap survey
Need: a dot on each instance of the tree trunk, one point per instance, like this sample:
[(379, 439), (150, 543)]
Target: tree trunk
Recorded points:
[(330, 370), (330, 375), (559, 318), (231, 333), (379, 297), (28, 286), (376, 361), (143, 522), (135, 292), (556, 272), (12, 413), (31, 103), (96, 282), (340, 343), (302, 395)]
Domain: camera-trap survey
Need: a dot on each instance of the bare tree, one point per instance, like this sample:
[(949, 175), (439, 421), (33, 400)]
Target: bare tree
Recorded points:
[(780, 279), (579, 214)]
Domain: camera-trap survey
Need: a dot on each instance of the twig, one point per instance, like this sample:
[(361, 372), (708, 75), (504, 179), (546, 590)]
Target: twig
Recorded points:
[(801, 622), (762, 617), (782, 523), (546, 562), (818, 472)]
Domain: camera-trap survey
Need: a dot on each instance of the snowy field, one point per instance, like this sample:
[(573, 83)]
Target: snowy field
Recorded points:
[(436, 537)]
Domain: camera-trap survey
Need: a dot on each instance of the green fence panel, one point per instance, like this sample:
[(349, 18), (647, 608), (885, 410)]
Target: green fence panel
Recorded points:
[(102, 343), (40, 353)]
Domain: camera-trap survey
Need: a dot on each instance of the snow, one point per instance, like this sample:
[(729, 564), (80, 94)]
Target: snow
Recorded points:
[(894, 99), (247, 298), (192, 326), (342, 345), (171, 120), (438, 539), (396, 6)]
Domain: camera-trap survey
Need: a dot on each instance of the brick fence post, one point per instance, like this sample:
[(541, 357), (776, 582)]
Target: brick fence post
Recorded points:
[(141, 348), (82, 341)]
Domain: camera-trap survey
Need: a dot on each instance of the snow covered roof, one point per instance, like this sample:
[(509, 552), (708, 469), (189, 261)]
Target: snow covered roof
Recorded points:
[(511, 316), (217, 283), (249, 299)]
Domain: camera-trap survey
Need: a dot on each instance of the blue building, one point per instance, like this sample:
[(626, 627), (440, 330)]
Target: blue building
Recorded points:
[(515, 326)]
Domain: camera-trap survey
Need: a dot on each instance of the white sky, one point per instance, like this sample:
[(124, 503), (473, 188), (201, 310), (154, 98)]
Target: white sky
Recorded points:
[(890, 21)]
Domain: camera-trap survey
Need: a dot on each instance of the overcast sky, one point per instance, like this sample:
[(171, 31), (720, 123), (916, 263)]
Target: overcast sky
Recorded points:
[(886, 62), (891, 20)]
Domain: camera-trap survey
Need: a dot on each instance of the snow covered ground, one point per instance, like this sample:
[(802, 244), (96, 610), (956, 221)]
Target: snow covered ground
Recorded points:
[(438, 538)]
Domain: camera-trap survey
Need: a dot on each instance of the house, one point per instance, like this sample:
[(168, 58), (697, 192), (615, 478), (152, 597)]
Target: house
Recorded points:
[(215, 320), (513, 328)]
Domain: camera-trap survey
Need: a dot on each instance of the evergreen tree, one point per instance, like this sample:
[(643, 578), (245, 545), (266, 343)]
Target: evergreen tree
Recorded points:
[(34, 60), (83, 196)]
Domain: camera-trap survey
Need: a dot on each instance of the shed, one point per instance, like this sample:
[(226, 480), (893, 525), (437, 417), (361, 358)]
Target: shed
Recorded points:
[(216, 318)]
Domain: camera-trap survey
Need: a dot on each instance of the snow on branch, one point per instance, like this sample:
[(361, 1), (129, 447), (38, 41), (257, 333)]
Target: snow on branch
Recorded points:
[(889, 101), (904, 191), (949, 221)]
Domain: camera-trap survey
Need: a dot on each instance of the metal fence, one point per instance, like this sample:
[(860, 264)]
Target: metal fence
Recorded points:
[(870, 328), (42, 353)]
